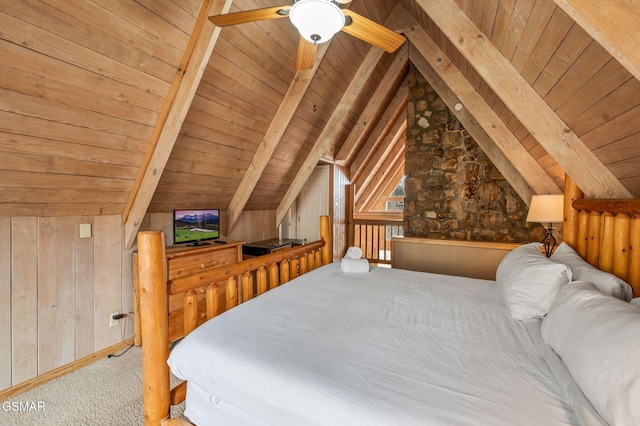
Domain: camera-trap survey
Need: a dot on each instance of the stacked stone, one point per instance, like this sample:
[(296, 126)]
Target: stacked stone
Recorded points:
[(452, 190)]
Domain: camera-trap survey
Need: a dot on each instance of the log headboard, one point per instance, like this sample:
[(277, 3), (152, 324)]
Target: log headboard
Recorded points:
[(605, 232)]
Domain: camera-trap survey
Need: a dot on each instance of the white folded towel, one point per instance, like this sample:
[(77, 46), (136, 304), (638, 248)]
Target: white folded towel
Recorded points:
[(353, 253), (354, 265)]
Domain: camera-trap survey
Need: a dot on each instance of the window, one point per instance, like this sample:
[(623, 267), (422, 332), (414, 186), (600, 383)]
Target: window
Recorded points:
[(399, 190), (395, 205), (395, 201)]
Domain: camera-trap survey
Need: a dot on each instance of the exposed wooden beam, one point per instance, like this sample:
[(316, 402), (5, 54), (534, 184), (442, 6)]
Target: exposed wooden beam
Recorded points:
[(533, 112), (383, 188), (612, 24), (390, 83), (368, 170), (396, 110), (272, 137), (387, 185), (177, 102), (353, 90), (371, 186), (505, 151)]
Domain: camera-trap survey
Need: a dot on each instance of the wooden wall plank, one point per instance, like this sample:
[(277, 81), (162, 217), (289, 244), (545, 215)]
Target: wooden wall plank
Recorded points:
[(50, 44), (606, 110), (5, 302), (56, 293), (517, 21), (24, 299), (84, 297), (18, 125), (64, 94), (69, 27), (127, 294), (34, 106), (255, 225), (535, 28), (47, 67), (557, 28), (107, 279), (586, 66), (341, 211), (615, 28)]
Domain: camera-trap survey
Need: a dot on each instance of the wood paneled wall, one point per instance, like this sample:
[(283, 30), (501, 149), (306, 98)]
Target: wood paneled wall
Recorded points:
[(341, 210), (255, 225), (57, 291), (252, 225)]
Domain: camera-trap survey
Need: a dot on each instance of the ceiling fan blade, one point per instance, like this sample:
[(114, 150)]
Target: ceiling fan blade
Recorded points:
[(343, 1), (371, 32), (250, 16), (306, 55)]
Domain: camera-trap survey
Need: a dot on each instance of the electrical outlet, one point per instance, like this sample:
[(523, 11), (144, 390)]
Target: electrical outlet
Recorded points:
[(112, 320)]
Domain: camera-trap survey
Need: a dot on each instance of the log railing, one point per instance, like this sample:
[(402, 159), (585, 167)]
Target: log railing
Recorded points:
[(374, 238), (204, 295)]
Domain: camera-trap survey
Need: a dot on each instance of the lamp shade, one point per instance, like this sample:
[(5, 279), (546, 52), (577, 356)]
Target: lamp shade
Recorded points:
[(548, 208), (316, 20)]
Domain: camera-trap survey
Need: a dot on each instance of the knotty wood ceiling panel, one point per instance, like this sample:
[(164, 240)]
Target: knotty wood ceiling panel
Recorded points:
[(83, 84), (575, 75), (247, 76), (339, 65), (84, 87)]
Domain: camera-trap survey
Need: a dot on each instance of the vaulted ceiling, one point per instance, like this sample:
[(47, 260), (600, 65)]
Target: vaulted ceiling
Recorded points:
[(128, 107)]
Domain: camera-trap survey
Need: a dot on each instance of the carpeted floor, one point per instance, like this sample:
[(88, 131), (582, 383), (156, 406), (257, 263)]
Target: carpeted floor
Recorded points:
[(107, 392)]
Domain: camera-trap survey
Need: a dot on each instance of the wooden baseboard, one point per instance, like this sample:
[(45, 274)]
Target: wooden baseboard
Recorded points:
[(60, 371)]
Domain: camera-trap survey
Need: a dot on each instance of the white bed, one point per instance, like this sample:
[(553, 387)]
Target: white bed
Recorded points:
[(389, 347)]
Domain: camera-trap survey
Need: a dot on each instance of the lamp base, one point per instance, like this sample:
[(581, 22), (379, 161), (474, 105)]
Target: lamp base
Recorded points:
[(549, 241)]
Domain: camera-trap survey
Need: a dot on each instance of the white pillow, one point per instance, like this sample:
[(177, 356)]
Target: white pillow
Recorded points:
[(597, 338), (584, 271), (529, 281)]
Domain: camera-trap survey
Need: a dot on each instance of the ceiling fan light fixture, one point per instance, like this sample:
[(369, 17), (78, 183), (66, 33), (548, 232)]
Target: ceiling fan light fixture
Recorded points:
[(317, 20)]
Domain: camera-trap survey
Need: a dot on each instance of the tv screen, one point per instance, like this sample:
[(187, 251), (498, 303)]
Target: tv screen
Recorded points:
[(196, 226)]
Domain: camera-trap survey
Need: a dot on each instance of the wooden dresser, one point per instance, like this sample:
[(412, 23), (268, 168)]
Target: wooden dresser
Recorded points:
[(181, 261)]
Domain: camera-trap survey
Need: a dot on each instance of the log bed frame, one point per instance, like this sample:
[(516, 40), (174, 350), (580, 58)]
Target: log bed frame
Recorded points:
[(201, 298), (604, 232)]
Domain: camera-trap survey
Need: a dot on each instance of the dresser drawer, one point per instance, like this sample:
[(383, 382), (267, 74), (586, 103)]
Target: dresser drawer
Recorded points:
[(185, 265)]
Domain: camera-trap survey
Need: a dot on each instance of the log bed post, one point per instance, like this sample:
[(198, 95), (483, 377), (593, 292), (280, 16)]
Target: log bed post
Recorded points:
[(325, 235), (154, 326), (569, 228)]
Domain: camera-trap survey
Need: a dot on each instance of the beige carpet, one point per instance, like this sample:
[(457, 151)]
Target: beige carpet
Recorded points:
[(107, 392)]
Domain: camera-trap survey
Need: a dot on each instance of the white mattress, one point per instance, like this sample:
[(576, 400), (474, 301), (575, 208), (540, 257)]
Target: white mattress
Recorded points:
[(389, 347)]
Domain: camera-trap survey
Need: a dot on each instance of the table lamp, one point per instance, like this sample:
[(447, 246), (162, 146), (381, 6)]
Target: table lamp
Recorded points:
[(547, 209)]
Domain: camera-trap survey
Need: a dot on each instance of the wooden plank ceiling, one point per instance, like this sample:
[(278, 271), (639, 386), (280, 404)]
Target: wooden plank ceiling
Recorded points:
[(91, 91)]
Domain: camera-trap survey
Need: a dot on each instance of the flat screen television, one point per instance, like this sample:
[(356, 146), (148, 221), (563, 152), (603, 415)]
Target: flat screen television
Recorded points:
[(195, 227)]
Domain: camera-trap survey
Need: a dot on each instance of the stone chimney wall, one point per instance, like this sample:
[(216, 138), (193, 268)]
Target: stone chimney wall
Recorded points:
[(452, 190)]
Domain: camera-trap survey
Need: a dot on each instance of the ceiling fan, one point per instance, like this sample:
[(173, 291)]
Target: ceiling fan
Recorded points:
[(318, 21)]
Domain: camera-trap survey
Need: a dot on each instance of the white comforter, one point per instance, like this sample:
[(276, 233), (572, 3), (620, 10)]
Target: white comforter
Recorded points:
[(389, 347)]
